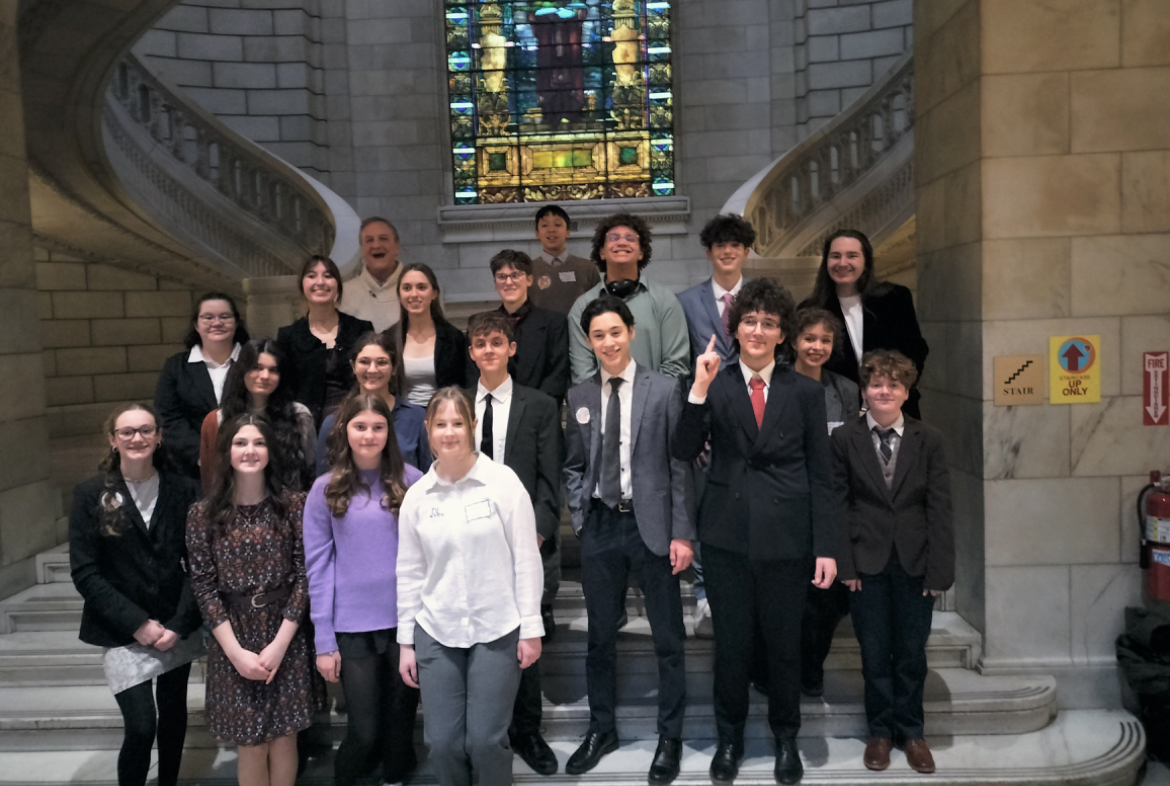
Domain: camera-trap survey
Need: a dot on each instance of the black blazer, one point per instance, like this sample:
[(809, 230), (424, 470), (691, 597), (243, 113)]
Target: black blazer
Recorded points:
[(914, 516), (183, 397), (769, 492), (305, 355), (542, 352), (888, 322), (534, 450), (450, 356), (138, 575)]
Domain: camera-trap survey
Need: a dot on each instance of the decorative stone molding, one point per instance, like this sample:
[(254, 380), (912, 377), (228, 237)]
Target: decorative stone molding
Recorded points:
[(483, 223)]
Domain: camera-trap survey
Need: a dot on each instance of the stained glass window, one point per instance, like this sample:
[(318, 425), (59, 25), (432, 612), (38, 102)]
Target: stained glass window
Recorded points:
[(560, 99)]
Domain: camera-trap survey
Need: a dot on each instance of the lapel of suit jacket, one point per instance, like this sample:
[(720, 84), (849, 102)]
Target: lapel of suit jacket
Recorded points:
[(711, 309), (202, 381), (638, 405), (863, 443), (515, 412), (595, 427), (738, 400), (779, 396), (130, 510), (907, 454)]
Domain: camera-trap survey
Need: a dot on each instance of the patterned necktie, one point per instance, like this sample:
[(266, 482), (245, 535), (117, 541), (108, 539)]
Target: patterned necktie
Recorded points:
[(886, 450), (757, 386), (486, 442), (611, 456), (727, 298)]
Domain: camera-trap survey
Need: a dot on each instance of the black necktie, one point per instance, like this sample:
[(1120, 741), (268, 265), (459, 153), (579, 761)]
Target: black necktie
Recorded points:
[(486, 443), (611, 456), (884, 436)]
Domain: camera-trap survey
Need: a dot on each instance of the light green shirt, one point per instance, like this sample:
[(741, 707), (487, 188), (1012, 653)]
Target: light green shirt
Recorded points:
[(660, 332)]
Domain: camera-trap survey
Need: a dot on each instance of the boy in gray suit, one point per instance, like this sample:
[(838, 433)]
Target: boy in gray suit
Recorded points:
[(630, 504)]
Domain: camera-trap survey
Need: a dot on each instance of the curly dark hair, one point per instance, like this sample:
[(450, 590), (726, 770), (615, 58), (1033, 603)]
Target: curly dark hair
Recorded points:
[(113, 520), (517, 259), (825, 289), (808, 316), (221, 508), (192, 338), (620, 220), (346, 480), (727, 228), (767, 297), (888, 363)]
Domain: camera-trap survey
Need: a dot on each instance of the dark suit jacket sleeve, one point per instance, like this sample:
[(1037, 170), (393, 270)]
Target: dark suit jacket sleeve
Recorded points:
[(682, 504), (576, 465), (186, 618), (905, 335), (450, 356), (846, 571), (940, 562), (119, 613), (182, 437), (549, 456), (556, 377), (825, 521), (691, 431)]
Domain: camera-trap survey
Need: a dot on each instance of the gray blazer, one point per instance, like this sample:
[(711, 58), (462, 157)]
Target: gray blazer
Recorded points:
[(703, 319), (662, 488)]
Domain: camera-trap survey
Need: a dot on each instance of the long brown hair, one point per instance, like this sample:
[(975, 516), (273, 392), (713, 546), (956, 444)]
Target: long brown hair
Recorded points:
[(221, 506), (346, 480), (111, 509)]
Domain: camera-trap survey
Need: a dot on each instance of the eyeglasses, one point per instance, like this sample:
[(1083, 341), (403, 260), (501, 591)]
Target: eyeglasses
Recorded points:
[(127, 434), (617, 237), (210, 319), (504, 278), (768, 325), (376, 363)]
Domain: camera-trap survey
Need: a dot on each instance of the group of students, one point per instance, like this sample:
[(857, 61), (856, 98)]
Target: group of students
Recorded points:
[(382, 508)]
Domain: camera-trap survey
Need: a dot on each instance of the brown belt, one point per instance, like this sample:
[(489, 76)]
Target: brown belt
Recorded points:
[(258, 600)]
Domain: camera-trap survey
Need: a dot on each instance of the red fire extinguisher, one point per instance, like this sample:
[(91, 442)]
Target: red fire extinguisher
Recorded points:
[(1155, 520)]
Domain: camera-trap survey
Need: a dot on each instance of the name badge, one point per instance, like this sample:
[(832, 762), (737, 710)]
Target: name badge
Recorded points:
[(568, 276), (834, 423), (478, 510)]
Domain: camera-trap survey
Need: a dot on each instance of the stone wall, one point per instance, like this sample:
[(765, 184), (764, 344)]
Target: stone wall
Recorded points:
[(1043, 172), (841, 48)]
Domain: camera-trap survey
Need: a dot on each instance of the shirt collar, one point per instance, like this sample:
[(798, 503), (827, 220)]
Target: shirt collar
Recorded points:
[(377, 286), (502, 394), (627, 375), (519, 314), (196, 356), (479, 473), (720, 291), (765, 373), (899, 424)]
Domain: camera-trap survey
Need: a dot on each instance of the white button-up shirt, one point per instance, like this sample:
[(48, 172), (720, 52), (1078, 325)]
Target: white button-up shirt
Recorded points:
[(217, 372), (720, 292), (469, 569), (501, 403), (765, 374), (626, 397)]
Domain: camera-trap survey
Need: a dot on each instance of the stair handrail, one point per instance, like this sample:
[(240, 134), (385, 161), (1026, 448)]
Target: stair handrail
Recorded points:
[(782, 196), (255, 181)]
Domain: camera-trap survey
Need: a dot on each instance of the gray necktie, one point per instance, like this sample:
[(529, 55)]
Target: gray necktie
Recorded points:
[(884, 435), (611, 457)]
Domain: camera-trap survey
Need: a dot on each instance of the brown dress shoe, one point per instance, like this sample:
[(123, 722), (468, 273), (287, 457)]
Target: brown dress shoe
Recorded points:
[(877, 752), (918, 756)]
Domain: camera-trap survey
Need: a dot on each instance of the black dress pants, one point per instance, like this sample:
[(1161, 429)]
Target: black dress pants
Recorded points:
[(611, 549), (892, 619), (144, 722), (747, 596), (823, 611)]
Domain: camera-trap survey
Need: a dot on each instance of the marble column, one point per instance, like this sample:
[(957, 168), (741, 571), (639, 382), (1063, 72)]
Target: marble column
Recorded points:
[(28, 509), (1043, 180)]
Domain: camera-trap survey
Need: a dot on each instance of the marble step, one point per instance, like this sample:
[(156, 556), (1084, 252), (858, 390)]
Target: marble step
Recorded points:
[(957, 701), (52, 566), (42, 607), (1080, 748)]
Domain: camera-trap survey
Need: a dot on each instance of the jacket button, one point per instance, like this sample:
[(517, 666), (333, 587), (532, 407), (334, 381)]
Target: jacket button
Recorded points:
[(737, 495)]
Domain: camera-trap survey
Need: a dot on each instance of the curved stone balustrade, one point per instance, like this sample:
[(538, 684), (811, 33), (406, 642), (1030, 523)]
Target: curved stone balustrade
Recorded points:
[(222, 194), (856, 171)]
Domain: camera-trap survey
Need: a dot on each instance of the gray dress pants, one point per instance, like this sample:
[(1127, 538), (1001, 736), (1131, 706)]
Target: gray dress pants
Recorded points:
[(467, 697)]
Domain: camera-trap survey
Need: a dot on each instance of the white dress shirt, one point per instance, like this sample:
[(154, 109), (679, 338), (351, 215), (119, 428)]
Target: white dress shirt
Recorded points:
[(364, 297), (765, 374), (720, 292), (145, 496), (626, 397), (501, 403), (854, 322), (217, 372), (469, 570)]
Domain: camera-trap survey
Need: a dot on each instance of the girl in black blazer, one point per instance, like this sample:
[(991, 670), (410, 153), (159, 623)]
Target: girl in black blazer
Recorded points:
[(191, 381), (434, 352), (318, 344), (877, 314), (127, 554)]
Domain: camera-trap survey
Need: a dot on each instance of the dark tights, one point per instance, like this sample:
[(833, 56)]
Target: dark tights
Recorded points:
[(143, 723), (381, 710)]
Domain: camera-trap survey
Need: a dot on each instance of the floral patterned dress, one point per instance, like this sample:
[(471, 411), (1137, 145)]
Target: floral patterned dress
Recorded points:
[(259, 552)]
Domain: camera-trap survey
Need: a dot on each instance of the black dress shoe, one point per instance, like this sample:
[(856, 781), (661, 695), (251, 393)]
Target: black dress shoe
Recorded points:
[(550, 623), (665, 766), (789, 770), (812, 687), (592, 749), (725, 762), (535, 752)]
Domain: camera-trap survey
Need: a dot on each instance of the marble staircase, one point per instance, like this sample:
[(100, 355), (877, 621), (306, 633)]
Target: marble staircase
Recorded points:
[(59, 723)]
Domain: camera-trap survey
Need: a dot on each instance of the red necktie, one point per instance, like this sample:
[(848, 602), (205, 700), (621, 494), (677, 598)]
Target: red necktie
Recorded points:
[(757, 386), (727, 298)]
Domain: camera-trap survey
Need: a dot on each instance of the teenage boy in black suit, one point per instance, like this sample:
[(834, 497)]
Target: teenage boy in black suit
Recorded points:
[(630, 505), (766, 521), (520, 428), (891, 480)]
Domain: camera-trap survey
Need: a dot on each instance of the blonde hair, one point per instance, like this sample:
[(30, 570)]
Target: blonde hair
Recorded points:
[(461, 400)]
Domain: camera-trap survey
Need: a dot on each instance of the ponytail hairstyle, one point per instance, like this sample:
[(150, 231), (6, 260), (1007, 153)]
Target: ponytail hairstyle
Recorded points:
[(221, 508), (346, 480), (111, 502)]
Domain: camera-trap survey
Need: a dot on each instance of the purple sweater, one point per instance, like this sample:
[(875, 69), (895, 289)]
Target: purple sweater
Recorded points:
[(351, 561)]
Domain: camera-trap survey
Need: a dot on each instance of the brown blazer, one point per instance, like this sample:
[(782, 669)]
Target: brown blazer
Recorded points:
[(914, 516)]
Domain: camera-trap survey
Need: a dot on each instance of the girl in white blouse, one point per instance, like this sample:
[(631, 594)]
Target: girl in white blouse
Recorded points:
[(469, 586)]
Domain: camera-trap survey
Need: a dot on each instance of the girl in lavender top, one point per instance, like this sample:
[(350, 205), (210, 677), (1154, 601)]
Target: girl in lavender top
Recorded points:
[(351, 550)]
